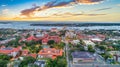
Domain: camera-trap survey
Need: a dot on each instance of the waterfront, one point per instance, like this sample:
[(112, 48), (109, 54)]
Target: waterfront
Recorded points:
[(27, 25)]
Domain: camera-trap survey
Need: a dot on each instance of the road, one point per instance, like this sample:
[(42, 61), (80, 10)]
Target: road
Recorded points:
[(67, 55)]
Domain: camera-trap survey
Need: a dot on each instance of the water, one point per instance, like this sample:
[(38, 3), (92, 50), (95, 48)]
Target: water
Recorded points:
[(26, 25)]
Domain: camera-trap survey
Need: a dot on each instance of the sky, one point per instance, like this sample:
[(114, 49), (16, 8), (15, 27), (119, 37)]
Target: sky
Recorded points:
[(60, 10)]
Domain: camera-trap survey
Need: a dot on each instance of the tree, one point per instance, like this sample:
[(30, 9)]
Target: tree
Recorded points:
[(5, 57), (58, 62), (90, 49), (26, 61), (59, 46), (3, 63), (50, 42), (102, 47)]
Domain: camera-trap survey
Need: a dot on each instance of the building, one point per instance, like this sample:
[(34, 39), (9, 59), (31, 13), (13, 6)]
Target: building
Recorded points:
[(57, 39), (79, 57), (50, 53), (54, 30), (96, 40), (88, 42), (10, 51), (25, 52), (31, 38), (75, 42)]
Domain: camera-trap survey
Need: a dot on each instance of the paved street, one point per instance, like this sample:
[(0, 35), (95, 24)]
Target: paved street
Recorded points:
[(67, 56)]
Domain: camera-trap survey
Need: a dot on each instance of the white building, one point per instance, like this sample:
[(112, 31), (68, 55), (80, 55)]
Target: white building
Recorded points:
[(88, 42)]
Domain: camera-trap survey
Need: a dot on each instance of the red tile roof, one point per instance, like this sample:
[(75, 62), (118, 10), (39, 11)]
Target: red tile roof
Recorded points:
[(50, 52), (34, 55), (25, 52), (5, 51), (45, 40), (8, 51), (31, 38)]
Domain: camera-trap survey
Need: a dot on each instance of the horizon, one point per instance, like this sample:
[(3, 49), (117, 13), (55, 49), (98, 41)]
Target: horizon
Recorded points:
[(60, 10)]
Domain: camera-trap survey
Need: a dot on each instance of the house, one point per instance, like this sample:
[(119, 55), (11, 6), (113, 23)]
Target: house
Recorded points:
[(7, 40), (25, 52), (50, 53), (54, 30), (10, 51), (80, 57), (31, 38), (40, 63)]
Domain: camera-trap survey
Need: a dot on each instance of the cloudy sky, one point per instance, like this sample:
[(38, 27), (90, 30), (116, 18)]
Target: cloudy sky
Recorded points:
[(60, 10)]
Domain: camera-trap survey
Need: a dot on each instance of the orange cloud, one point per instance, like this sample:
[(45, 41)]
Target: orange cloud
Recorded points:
[(56, 3)]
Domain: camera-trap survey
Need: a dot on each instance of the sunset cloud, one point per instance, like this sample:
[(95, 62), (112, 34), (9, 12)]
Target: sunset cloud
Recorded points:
[(56, 3), (76, 14), (101, 9)]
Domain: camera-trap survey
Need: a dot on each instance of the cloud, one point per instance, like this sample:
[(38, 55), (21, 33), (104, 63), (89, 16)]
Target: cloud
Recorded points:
[(118, 5), (3, 5), (56, 3), (5, 11), (103, 9), (77, 14)]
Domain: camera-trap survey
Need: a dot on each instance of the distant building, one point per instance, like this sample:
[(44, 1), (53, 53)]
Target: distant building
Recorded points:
[(82, 57), (96, 40), (54, 30)]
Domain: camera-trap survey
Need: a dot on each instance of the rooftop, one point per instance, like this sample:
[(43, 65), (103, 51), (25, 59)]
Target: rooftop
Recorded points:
[(82, 55)]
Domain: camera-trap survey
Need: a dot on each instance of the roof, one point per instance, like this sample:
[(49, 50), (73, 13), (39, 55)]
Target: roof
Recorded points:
[(8, 50), (85, 55), (25, 52), (45, 40), (96, 39), (31, 38), (51, 51), (88, 42), (34, 55), (5, 51)]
